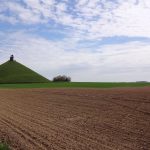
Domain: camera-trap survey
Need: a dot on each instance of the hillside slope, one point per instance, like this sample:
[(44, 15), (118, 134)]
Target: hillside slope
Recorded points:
[(14, 72)]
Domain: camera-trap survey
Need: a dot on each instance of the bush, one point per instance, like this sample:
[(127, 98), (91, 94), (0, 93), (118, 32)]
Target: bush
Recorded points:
[(4, 146), (61, 79)]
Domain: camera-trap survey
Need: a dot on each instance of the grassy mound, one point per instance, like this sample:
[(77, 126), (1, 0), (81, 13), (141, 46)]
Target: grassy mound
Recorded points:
[(14, 72)]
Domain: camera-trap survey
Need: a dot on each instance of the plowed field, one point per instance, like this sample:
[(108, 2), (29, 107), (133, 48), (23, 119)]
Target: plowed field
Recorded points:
[(75, 119)]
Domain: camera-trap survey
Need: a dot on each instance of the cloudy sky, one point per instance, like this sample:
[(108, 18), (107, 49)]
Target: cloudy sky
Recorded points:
[(89, 40)]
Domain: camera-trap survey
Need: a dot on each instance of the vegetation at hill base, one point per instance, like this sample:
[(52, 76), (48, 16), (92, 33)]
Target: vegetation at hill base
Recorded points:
[(61, 78), (14, 72), (4, 146)]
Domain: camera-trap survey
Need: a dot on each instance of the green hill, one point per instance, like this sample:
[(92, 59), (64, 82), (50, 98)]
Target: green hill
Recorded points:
[(14, 72)]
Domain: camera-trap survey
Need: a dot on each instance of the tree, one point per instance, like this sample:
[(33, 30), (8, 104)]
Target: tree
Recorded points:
[(61, 78)]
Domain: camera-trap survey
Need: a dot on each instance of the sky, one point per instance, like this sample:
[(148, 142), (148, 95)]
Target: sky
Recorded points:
[(88, 40)]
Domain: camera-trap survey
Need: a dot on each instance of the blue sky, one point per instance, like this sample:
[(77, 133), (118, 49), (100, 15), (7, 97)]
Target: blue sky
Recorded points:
[(89, 40)]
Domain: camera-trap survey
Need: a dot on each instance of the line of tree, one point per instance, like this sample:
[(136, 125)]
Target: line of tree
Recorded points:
[(62, 78)]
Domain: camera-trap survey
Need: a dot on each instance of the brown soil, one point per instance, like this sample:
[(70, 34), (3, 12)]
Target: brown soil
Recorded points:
[(76, 119)]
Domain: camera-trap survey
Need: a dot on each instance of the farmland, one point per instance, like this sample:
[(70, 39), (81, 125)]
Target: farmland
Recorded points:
[(75, 119)]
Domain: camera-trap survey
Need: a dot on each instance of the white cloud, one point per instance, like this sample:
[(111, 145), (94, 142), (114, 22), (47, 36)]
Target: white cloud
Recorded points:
[(97, 18), (8, 19)]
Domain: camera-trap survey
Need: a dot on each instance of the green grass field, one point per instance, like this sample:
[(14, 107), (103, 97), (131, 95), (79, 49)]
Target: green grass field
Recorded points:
[(75, 85)]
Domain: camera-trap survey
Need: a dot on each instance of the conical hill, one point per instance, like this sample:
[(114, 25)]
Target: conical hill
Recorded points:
[(14, 72)]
